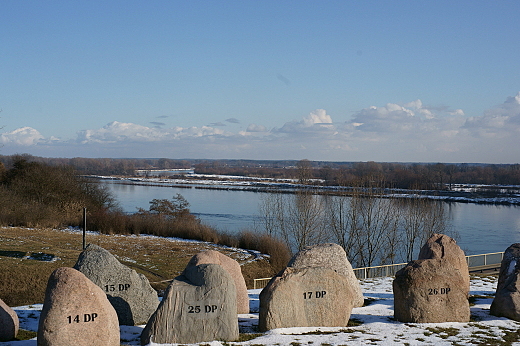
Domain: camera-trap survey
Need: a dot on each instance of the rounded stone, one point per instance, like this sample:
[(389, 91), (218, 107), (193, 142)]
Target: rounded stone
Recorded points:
[(430, 291), (441, 246), (129, 293), (233, 268), (331, 256), (9, 322), (306, 297), (76, 312), (507, 298), (198, 306)]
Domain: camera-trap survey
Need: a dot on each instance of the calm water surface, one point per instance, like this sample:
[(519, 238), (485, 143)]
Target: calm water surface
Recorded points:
[(482, 228)]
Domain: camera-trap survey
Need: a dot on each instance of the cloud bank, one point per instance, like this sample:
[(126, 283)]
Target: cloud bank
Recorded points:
[(411, 132)]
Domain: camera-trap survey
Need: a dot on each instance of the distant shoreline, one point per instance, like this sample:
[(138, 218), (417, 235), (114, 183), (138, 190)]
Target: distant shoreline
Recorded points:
[(463, 193)]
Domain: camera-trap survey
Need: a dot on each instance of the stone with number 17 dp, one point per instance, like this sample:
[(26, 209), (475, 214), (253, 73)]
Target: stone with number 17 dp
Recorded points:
[(306, 297)]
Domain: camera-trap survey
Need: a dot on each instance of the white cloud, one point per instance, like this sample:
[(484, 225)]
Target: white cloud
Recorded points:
[(128, 132), (256, 128), (25, 136), (319, 116), (502, 121), (393, 132), (317, 120)]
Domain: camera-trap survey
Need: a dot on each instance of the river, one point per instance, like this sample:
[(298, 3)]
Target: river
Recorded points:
[(482, 228)]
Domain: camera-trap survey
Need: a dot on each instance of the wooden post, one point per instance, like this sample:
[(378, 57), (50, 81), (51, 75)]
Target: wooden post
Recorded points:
[(84, 227)]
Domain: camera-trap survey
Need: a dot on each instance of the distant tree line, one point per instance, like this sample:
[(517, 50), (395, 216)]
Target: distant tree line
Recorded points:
[(434, 176)]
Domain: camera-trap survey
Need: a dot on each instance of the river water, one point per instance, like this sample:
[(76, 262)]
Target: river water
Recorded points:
[(482, 228)]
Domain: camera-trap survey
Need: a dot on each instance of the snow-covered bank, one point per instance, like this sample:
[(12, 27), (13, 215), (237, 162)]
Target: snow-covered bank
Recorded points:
[(377, 326), (463, 193)]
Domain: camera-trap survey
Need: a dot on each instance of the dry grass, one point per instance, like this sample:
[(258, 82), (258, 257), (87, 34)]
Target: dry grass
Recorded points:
[(24, 280)]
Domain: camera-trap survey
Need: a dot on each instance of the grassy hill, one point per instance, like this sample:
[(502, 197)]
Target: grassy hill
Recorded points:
[(28, 256)]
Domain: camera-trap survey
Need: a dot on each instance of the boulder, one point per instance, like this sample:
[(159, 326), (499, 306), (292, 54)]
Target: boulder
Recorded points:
[(430, 291), (76, 312), (330, 256), (198, 306), (440, 246), (233, 268), (306, 297), (9, 322), (129, 293), (507, 297)]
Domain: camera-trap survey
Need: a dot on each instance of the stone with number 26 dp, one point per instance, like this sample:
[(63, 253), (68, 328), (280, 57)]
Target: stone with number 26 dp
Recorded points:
[(76, 312), (306, 297), (431, 291)]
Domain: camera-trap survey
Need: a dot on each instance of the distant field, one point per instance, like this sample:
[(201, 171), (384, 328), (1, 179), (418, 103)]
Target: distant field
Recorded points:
[(28, 257)]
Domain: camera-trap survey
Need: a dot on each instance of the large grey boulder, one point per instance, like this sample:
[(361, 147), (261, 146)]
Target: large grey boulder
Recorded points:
[(430, 291), (507, 297), (198, 306), (331, 256), (129, 292), (306, 297), (9, 323), (76, 312), (441, 246), (233, 268)]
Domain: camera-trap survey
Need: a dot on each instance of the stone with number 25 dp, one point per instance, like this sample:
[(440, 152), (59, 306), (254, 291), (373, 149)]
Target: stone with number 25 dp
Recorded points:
[(76, 312), (198, 306)]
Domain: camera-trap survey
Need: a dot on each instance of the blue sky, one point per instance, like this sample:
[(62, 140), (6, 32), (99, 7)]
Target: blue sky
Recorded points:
[(427, 81)]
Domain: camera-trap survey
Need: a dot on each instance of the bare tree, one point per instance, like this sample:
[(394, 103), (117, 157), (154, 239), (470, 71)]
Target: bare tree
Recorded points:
[(304, 171), (420, 219), (298, 218), (372, 228), (342, 223)]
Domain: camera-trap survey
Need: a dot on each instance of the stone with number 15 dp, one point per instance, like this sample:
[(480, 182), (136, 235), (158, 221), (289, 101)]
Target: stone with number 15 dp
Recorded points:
[(129, 293), (76, 312)]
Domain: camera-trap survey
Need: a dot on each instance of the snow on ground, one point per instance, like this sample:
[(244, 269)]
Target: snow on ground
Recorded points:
[(376, 324)]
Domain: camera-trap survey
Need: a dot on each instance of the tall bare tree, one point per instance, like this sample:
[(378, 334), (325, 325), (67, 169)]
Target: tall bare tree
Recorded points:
[(297, 218)]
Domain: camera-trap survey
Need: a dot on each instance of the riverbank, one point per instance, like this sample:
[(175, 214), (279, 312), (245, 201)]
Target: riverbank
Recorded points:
[(460, 193)]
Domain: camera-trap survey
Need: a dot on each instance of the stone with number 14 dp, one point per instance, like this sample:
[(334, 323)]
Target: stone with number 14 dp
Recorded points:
[(198, 306), (76, 312)]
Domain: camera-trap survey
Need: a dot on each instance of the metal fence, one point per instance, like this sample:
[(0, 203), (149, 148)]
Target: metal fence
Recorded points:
[(378, 271), (475, 262), (486, 259)]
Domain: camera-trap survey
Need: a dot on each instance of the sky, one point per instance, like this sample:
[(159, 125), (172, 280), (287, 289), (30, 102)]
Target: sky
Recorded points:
[(392, 81)]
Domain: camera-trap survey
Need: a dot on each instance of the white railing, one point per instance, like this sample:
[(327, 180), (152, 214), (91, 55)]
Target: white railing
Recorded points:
[(475, 262), (378, 271), (485, 259)]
